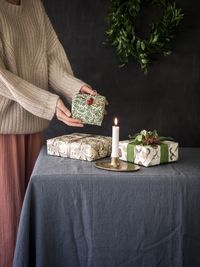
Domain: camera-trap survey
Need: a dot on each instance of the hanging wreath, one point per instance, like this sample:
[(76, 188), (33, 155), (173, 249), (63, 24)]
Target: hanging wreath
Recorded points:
[(122, 36)]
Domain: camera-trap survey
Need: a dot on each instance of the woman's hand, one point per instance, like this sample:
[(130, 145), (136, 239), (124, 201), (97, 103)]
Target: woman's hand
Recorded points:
[(63, 114), (87, 90)]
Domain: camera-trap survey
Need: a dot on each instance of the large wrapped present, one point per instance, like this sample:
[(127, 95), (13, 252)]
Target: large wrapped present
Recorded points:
[(80, 146), (89, 109), (148, 149)]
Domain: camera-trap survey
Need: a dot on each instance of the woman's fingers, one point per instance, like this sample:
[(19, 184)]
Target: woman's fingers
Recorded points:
[(71, 122), (59, 103), (63, 108), (66, 111), (67, 120), (93, 93), (87, 90), (74, 121)]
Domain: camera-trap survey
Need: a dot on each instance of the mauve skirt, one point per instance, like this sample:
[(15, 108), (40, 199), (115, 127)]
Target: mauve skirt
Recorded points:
[(18, 154)]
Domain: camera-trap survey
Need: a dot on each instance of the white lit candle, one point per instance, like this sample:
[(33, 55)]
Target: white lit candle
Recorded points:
[(115, 140)]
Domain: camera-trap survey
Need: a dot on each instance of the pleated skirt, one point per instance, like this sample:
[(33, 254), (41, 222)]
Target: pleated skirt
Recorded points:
[(18, 154)]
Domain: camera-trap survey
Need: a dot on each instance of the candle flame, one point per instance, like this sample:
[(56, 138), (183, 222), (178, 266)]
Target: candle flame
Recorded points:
[(116, 121)]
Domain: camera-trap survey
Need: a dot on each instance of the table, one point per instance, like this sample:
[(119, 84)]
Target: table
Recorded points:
[(75, 215)]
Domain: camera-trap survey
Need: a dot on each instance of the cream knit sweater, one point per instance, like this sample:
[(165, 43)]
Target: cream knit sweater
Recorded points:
[(31, 59)]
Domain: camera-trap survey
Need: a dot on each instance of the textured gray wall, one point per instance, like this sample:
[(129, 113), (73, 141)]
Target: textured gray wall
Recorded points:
[(166, 100)]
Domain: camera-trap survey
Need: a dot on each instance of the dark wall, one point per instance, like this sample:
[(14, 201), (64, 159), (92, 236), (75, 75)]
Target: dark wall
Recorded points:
[(167, 99)]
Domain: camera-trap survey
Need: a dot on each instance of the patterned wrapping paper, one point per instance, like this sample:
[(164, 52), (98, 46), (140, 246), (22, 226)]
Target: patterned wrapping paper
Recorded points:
[(80, 146), (149, 155), (89, 109)]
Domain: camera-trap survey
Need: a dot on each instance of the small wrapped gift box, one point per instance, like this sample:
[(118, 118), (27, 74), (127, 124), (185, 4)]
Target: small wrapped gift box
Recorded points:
[(152, 153), (89, 109), (80, 146)]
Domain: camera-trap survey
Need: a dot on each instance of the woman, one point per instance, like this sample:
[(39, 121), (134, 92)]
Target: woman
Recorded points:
[(31, 58)]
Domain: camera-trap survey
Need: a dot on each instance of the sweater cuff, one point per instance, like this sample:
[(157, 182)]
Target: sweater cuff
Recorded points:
[(50, 107)]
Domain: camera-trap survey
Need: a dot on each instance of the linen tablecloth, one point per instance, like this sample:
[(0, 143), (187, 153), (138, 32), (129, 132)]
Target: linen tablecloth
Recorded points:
[(75, 215)]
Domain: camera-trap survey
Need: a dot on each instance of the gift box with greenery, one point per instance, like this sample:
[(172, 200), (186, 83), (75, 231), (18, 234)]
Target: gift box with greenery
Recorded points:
[(147, 148)]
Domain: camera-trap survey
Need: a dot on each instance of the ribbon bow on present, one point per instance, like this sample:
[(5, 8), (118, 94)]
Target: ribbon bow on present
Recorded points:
[(150, 138)]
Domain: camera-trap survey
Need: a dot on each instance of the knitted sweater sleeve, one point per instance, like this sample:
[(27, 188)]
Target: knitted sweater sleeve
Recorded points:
[(37, 101), (60, 72)]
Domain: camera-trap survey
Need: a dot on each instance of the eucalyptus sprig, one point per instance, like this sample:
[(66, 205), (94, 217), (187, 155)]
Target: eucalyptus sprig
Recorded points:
[(121, 34)]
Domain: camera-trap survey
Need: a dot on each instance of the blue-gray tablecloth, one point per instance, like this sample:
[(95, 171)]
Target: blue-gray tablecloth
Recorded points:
[(75, 215)]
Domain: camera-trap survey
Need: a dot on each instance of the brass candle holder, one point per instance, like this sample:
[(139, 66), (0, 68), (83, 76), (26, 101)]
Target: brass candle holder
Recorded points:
[(115, 164)]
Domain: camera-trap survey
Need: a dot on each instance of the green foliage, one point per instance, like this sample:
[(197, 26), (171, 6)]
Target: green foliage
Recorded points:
[(148, 138), (122, 37)]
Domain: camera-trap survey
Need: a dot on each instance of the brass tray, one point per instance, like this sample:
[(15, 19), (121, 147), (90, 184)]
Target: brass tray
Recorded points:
[(123, 166)]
